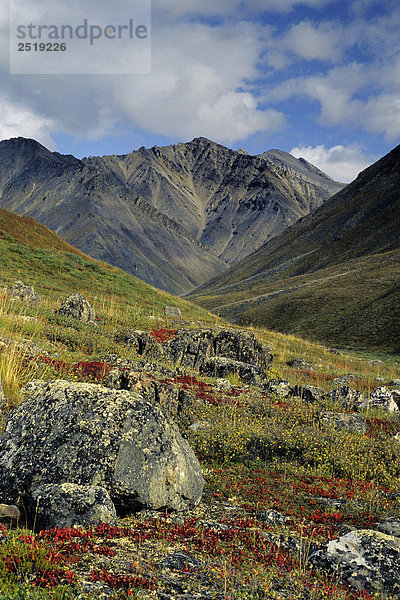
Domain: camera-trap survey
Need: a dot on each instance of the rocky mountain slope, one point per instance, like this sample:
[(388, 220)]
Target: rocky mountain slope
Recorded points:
[(173, 216), (333, 275)]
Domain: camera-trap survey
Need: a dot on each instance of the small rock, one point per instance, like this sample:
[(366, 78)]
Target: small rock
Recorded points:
[(381, 398), (335, 351), (394, 382), (279, 387), (377, 363), (272, 516), (22, 292), (344, 379), (77, 307), (308, 393), (223, 385), (180, 562), (199, 425)]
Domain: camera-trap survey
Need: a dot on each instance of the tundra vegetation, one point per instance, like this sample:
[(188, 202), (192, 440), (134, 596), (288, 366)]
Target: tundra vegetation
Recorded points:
[(280, 480)]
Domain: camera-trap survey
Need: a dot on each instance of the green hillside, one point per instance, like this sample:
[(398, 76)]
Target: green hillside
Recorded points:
[(30, 252)]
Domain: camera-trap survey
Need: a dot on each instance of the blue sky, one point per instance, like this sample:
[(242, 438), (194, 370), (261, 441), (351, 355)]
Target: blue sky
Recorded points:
[(317, 78)]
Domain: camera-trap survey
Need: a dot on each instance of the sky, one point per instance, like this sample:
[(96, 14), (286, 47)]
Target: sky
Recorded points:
[(317, 78)]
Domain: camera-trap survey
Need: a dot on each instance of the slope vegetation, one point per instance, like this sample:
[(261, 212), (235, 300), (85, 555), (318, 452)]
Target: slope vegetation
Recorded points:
[(332, 276)]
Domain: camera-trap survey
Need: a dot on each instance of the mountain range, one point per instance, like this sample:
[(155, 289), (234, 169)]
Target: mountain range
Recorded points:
[(333, 276), (173, 216)]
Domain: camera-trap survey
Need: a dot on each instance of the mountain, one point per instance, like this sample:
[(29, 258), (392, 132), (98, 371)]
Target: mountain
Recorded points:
[(173, 216), (333, 275)]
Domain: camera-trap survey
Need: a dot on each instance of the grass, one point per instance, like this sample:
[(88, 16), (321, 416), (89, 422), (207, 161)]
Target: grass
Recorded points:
[(258, 452)]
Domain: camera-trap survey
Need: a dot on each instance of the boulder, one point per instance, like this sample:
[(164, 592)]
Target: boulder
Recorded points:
[(222, 367), (279, 387), (77, 307), (367, 560), (89, 435), (343, 379), (22, 292), (69, 504), (308, 393), (381, 398), (350, 422), (301, 364), (347, 397)]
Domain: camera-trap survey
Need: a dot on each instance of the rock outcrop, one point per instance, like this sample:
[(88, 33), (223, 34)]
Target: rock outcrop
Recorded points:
[(89, 435), (198, 348), (381, 398)]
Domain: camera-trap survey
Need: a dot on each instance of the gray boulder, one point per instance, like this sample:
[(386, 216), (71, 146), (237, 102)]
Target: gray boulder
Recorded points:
[(278, 387), (308, 393), (173, 312), (9, 511), (90, 435), (142, 343), (69, 504), (22, 292), (347, 397), (368, 560), (350, 422), (77, 307), (381, 398), (221, 367)]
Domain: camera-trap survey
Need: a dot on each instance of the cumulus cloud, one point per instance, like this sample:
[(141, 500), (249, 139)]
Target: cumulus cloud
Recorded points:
[(310, 41), (17, 120), (342, 163)]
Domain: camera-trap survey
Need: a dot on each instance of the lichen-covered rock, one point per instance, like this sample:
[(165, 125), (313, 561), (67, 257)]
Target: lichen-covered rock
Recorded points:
[(22, 292), (193, 347), (222, 367), (279, 387), (381, 398), (368, 560), (165, 395), (347, 397), (69, 504), (308, 393), (77, 307), (345, 422), (90, 435)]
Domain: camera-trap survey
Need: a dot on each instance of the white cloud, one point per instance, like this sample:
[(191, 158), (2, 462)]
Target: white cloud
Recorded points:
[(342, 163), (17, 120), (324, 41)]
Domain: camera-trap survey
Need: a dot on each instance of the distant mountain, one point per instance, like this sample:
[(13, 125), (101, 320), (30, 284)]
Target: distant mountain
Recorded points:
[(173, 216), (334, 275)]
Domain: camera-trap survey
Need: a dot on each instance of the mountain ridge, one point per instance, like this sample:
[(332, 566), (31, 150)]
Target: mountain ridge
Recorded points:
[(173, 216)]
